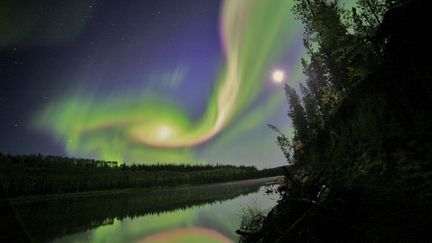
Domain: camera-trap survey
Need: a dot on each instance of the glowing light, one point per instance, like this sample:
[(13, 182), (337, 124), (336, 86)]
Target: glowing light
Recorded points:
[(192, 235), (164, 132), (278, 76), (143, 127)]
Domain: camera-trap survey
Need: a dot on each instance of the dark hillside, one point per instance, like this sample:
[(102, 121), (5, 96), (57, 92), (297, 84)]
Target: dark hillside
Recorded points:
[(372, 145)]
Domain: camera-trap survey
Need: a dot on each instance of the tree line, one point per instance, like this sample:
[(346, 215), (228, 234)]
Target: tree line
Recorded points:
[(24, 175)]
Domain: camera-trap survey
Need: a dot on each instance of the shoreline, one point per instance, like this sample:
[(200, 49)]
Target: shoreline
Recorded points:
[(49, 197)]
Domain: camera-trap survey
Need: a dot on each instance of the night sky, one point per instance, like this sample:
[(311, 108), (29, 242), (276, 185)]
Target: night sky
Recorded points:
[(147, 81)]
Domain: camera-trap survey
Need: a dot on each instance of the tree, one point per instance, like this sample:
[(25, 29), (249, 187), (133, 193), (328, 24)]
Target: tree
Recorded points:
[(297, 113)]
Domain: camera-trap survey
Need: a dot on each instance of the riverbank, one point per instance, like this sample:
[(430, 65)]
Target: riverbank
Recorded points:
[(360, 155), (32, 175), (161, 189)]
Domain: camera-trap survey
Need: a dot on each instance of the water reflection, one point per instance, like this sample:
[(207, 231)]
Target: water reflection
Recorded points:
[(211, 211), (187, 235)]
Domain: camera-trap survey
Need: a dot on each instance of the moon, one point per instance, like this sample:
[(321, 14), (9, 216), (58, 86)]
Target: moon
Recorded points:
[(278, 76)]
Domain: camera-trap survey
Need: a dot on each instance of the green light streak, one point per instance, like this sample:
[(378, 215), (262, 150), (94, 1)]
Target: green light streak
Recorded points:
[(136, 128)]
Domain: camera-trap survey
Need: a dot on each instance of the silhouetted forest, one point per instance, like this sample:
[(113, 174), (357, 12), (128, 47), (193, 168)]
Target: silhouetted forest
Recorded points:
[(25, 175), (360, 158)]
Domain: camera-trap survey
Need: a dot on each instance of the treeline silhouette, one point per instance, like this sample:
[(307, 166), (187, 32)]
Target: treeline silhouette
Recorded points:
[(45, 220), (24, 175), (360, 157)]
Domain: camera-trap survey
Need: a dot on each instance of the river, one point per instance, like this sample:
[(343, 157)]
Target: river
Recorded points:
[(205, 213)]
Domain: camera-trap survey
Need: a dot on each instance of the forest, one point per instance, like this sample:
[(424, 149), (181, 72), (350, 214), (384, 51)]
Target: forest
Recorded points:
[(26, 175), (360, 159)]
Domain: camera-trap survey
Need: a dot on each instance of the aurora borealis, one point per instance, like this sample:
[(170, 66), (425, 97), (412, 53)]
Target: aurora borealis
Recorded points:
[(153, 102)]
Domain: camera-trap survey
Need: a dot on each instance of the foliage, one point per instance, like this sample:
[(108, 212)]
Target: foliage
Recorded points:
[(362, 127), (252, 220)]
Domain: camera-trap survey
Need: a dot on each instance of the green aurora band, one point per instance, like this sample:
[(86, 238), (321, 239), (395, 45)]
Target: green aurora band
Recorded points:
[(254, 35)]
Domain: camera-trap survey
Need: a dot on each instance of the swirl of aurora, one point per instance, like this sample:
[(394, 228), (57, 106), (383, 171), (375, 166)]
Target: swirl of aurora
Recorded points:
[(253, 34)]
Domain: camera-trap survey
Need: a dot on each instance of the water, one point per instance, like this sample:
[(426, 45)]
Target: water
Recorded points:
[(209, 213)]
